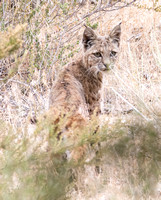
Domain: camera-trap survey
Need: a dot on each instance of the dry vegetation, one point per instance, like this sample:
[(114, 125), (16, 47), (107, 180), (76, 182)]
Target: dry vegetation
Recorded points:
[(37, 38)]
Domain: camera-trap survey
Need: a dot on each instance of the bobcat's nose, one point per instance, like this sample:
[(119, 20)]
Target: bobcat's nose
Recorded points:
[(107, 67), (107, 63)]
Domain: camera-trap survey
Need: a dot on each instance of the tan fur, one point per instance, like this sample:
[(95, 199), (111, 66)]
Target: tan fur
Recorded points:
[(77, 88)]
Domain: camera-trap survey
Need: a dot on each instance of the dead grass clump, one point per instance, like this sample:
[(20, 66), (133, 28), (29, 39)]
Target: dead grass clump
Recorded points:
[(11, 40)]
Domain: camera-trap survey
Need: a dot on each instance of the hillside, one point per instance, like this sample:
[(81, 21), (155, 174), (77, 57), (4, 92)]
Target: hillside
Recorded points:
[(37, 39)]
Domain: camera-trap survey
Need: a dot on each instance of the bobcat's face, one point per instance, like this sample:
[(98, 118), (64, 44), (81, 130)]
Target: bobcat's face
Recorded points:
[(100, 52)]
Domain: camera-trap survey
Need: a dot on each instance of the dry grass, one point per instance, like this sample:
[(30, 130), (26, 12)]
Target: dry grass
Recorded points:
[(131, 90)]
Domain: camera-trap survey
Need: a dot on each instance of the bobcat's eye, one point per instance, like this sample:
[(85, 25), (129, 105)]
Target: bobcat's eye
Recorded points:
[(97, 54), (113, 54)]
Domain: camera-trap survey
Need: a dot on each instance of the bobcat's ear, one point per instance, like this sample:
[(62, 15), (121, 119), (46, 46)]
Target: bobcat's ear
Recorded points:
[(115, 34), (88, 38)]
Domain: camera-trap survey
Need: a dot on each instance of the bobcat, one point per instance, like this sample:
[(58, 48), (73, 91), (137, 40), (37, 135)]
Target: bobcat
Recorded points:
[(77, 88)]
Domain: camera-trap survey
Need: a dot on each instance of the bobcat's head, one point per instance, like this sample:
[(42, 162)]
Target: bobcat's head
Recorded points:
[(100, 52)]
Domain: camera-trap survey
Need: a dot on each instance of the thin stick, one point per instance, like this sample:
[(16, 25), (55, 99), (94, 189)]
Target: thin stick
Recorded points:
[(129, 104)]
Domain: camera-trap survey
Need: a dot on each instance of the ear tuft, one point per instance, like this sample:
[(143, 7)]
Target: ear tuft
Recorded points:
[(116, 33), (88, 37)]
